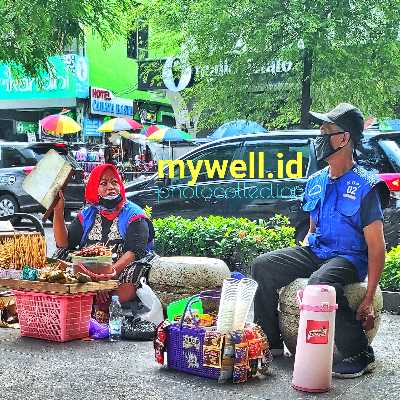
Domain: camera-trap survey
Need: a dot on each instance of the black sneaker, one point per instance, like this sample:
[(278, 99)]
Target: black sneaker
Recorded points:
[(352, 367)]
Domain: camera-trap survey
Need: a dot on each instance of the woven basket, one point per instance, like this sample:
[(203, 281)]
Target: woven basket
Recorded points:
[(186, 359)]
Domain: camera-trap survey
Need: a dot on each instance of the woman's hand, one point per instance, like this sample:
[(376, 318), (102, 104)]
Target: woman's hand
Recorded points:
[(59, 228), (59, 207)]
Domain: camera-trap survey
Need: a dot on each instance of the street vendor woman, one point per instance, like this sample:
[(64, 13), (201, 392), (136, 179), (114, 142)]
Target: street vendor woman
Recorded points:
[(345, 242), (111, 219)]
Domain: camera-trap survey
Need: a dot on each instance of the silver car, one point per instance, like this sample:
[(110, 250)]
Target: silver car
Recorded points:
[(17, 159)]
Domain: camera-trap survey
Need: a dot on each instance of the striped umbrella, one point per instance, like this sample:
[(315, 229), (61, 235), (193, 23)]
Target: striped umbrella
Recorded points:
[(119, 124), (135, 137), (151, 129), (169, 135), (59, 124)]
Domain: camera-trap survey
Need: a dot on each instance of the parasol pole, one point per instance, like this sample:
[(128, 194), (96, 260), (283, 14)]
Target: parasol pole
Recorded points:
[(122, 150)]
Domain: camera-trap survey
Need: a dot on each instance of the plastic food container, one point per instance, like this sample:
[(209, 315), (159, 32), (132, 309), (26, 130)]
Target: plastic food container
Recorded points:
[(177, 308), (98, 268)]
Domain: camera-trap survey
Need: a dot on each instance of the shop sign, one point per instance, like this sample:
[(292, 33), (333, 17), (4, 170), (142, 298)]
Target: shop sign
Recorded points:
[(91, 126), (103, 102), (171, 73), (175, 74), (69, 78), (23, 128), (173, 82)]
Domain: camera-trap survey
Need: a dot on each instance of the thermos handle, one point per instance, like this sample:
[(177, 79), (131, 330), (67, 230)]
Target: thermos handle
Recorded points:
[(323, 307)]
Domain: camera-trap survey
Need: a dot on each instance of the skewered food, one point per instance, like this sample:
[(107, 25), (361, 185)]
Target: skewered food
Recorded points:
[(23, 249), (95, 250)]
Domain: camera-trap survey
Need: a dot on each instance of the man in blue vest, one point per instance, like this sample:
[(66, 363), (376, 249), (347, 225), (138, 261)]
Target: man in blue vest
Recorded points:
[(345, 242)]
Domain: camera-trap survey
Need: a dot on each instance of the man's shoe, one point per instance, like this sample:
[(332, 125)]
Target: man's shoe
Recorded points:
[(355, 366)]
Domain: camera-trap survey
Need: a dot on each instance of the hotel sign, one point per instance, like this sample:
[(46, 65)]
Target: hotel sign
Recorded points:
[(103, 102)]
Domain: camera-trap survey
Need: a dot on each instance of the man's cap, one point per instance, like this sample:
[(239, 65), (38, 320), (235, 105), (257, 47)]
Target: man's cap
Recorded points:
[(346, 116)]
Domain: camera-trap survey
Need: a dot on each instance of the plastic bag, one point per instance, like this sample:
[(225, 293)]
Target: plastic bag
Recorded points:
[(135, 328), (98, 330), (152, 302)]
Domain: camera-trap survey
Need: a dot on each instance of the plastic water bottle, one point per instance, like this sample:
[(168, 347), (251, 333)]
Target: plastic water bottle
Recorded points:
[(115, 319)]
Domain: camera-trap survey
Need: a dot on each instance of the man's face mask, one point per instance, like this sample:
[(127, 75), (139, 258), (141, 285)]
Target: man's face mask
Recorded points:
[(323, 147)]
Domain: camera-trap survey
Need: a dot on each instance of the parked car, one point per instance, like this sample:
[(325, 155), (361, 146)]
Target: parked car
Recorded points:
[(17, 160), (263, 196)]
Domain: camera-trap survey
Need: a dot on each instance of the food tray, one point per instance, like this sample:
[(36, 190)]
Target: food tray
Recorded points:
[(59, 288)]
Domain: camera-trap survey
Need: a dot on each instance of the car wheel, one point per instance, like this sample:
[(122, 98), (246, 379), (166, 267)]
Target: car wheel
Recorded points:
[(8, 205)]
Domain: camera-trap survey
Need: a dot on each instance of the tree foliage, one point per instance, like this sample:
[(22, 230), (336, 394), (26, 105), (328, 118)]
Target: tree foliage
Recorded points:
[(354, 45), (32, 30)]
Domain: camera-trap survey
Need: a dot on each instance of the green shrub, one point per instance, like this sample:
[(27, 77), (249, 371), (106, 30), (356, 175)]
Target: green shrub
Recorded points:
[(390, 278), (237, 241)]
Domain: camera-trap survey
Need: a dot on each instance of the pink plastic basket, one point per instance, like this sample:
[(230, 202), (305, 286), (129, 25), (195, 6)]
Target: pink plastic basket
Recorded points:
[(58, 318)]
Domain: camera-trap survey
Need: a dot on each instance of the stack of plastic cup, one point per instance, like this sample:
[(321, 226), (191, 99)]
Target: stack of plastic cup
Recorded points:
[(244, 299), (227, 305)]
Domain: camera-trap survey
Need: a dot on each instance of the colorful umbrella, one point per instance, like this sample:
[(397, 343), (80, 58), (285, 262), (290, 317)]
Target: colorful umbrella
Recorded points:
[(59, 124), (238, 127), (135, 137), (151, 129), (169, 135), (119, 124)]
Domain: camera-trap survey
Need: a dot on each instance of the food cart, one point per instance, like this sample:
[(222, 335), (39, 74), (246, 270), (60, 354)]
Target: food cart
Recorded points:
[(52, 302)]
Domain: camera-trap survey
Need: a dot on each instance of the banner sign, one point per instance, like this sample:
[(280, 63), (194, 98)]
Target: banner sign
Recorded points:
[(69, 78), (103, 102), (23, 128)]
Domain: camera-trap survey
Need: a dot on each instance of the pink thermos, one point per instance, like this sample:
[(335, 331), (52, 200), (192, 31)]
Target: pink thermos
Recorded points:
[(315, 339)]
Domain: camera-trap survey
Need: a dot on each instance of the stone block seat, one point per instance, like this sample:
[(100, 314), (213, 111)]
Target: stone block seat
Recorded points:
[(173, 278), (289, 313)]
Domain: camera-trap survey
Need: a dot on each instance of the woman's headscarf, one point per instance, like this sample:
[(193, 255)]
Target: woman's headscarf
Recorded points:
[(92, 190)]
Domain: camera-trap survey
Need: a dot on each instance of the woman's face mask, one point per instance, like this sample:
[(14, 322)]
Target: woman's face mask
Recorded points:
[(109, 190), (110, 202), (323, 147)]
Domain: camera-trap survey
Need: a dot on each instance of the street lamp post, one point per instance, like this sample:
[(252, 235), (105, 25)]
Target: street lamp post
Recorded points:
[(306, 88)]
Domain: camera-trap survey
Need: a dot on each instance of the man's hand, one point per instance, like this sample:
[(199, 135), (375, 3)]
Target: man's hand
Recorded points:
[(365, 313), (373, 234)]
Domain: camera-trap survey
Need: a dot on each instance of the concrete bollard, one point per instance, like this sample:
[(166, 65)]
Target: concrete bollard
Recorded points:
[(173, 278)]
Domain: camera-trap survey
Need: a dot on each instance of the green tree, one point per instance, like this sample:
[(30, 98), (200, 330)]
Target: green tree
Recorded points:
[(347, 50), (32, 30)]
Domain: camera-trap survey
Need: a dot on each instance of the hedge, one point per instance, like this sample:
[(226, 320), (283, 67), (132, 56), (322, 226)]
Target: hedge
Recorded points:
[(237, 241), (390, 278)]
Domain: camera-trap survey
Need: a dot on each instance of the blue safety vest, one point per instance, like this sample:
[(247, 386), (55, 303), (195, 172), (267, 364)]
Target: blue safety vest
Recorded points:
[(334, 206), (129, 213)]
